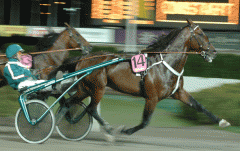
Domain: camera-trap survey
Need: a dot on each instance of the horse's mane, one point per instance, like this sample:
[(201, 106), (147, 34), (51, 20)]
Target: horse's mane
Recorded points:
[(47, 41), (163, 41)]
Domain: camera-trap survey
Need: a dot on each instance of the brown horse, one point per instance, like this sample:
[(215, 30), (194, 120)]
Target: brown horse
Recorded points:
[(44, 63), (163, 78), (68, 38)]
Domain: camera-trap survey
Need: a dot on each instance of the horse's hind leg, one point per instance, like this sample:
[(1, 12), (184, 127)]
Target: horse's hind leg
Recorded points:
[(186, 98)]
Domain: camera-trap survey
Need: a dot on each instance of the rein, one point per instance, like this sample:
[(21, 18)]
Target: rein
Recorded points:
[(174, 52), (33, 53), (143, 53), (114, 54), (39, 71), (75, 49)]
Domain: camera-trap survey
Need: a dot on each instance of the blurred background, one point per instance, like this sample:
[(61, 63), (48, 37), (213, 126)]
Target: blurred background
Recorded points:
[(135, 23)]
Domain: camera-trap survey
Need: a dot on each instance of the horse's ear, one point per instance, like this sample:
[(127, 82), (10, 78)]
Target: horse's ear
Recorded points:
[(190, 22), (68, 26)]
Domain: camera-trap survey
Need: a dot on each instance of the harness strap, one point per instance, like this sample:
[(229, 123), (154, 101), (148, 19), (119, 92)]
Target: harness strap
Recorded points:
[(177, 84), (169, 68)]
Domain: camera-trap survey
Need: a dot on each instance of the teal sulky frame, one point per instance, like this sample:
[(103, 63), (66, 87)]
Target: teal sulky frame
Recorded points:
[(23, 97)]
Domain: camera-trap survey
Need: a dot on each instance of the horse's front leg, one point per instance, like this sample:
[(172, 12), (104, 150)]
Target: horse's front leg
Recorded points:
[(96, 92), (186, 98), (92, 109), (147, 114)]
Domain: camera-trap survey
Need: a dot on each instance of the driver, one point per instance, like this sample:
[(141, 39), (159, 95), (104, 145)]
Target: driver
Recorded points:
[(19, 75)]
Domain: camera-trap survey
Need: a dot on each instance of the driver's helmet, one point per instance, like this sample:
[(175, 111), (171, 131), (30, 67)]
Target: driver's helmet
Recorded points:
[(12, 50)]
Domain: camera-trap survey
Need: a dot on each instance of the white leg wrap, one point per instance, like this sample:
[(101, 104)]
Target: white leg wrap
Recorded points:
[(109, 138), (223, 123)]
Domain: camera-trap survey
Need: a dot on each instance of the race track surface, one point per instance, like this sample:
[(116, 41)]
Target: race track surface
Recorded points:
[(149, 139), (200, 138)]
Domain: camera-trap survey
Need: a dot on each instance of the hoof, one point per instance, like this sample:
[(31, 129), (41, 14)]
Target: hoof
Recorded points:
[(108, 133), (115, 133), (223, 123), (109, 138), (119, 130)]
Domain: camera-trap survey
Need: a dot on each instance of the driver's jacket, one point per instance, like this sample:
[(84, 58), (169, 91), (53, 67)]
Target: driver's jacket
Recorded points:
[(15, 72)]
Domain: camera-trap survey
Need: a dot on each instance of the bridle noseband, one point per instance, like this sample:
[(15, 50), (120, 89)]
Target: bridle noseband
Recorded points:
[(193, 35)]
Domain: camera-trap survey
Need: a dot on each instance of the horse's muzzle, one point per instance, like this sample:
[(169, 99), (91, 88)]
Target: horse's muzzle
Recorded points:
[(209, 56)]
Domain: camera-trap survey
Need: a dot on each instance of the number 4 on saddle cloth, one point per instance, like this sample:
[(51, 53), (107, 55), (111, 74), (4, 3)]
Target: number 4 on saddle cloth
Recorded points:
[(139, 64)]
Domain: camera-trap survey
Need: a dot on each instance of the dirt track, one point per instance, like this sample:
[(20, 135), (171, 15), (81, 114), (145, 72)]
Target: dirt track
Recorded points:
[(151, 138)]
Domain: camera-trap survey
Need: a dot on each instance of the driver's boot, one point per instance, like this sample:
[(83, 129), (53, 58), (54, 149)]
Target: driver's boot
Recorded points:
[(57, 87), (63, 85)]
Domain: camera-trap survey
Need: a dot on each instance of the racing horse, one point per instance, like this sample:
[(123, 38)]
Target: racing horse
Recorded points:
[(45, 62), (68, 38), (164, 76)]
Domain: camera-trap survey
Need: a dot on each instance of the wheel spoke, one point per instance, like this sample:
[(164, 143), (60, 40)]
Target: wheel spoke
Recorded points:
[(70, 129), (42, 130)]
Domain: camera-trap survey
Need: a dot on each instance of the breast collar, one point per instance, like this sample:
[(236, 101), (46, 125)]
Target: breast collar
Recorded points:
[(169, 68)]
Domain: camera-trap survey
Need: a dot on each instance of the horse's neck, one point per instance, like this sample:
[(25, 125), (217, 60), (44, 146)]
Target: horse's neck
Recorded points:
[(61, 43), (60, 56), (178, 60)]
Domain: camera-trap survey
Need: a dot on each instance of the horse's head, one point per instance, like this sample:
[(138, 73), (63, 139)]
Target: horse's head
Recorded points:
[(77, 41), (47, 41), (199, 41)]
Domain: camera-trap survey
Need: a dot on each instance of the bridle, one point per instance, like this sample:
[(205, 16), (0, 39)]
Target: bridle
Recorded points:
[(193, 35), (73, 37), (79, 43)]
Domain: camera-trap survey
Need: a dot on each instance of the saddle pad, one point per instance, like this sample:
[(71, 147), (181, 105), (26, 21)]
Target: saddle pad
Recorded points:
[(139, 63)]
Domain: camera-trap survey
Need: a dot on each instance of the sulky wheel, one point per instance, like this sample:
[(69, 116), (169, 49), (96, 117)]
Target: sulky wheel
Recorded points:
[(42, 130), (71, 129)]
